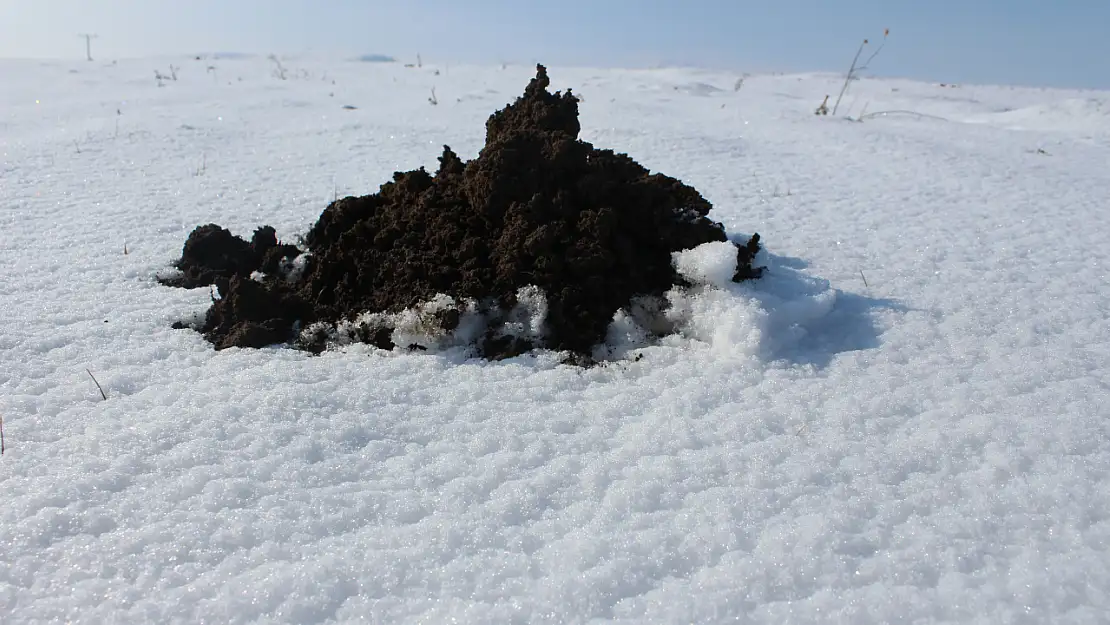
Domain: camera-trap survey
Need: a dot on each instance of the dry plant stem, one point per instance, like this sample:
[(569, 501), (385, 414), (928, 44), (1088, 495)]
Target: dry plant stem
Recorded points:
[(848, 78), (855, 69), (874, 54), (88, 37), (3, 447), (98, 387)]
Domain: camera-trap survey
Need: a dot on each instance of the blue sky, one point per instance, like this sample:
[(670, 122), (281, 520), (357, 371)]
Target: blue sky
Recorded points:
[(1037, 42)]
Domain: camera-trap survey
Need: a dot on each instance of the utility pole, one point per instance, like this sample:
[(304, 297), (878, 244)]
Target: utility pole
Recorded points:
[(88, 44)]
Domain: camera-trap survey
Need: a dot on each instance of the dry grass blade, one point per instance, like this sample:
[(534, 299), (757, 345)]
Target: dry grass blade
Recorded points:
[(3, 447), (98, 387)]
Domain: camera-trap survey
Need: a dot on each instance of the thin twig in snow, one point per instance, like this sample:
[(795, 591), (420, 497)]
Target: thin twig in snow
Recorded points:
[(855, 69), (98, 387)]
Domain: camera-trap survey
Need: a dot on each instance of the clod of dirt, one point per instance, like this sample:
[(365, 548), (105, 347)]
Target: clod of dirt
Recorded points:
[(251, 314), (212, 255), (745, 256), (590, 228)]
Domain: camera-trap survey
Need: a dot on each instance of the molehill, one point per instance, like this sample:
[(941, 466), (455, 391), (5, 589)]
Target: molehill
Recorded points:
[(590, 228)]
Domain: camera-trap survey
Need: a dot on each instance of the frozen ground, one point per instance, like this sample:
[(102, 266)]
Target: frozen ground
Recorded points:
[(931, 446)]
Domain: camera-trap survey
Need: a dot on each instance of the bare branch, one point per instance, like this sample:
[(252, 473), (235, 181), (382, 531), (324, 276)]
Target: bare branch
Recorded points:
[(98, 387), (88, 44), (855, 69)]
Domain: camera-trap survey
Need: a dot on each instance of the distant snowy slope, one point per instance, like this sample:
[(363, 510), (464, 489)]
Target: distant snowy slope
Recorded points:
[(905, 420), (1079, 117)]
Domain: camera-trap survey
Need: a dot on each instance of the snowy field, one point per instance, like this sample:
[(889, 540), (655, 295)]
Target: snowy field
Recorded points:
[(906, 420)]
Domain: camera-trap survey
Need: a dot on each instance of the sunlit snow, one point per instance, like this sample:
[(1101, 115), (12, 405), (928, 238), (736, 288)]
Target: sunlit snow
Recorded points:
[(905, 420)]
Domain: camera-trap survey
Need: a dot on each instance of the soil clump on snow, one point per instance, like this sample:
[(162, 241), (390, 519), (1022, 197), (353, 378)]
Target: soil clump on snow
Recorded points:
[(536, 242)]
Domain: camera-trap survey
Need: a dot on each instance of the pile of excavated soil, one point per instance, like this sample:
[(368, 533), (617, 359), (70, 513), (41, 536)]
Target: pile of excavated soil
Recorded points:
[(537, 208)]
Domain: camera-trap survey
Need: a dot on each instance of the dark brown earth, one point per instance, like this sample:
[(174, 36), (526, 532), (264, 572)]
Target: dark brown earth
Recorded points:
[(592, 228), (212, 255)]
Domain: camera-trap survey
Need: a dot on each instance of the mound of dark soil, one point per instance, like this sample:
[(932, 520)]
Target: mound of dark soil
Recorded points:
[(212, 255), (591, 228)]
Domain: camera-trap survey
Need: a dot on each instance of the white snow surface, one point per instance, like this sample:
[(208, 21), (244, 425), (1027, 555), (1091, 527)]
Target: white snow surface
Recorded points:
[(929, 446)]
